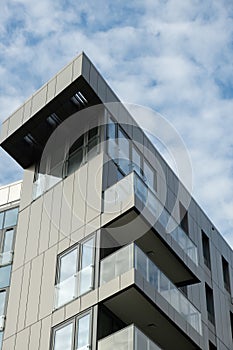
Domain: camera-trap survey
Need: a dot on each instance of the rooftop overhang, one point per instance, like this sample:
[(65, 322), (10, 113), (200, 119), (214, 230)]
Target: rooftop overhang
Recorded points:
[(25, 133)]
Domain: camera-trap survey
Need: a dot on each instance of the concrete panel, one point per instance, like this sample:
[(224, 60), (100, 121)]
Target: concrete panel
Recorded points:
[(21, 238), (9, 343), (22, 339), (27, 186), (13, 303), (66, 207), (45, 222), (45, 333), (77, 67), (72, 309), (27, 110), (34, 229), (51, 89), (34, 341), (34, 290), (64, 78), (79, 199), (102, 89), (94, 78), (39, 100), (15, 121), (4, 130), (47, 284), (24, 297), (55, 215), (86, 66), (94, 187), (58, 316)]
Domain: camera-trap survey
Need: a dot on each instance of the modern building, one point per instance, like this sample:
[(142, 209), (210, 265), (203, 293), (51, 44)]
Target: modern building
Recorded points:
[(100, 259)]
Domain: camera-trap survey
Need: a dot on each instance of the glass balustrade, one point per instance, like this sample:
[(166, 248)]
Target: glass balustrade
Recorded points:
[(131, 257), (74, 286), (129, 338), (119, 195)]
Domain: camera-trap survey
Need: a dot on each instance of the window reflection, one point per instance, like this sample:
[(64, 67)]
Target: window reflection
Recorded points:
[(11, 217), (83, 332), (63, 338)]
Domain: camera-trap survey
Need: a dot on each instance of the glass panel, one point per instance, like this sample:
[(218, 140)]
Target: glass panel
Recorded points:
[(63, 338), (39, 186), (83, 332), (149, 176), (1, 219), (2, 302), (136, 161), (11, 217), (123, 161), (5, 274), (75, 161), (65, 291), (140, 189), (140, 262), (111, 129), (88, 250), (92, 147), (8, 240), (68, 265), (87, 266), (92, 133)]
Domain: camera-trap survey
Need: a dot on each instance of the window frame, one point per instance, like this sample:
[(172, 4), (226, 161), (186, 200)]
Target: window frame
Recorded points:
[(79, 247), (74, 321)]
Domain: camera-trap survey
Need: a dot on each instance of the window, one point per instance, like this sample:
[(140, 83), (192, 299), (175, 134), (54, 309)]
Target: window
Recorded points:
[(136, 161), (75, 272), (226, 275), (210, 304), (206, 249), (5, 274), (184, 219), (212, 346), (74, 335), (8, 218)]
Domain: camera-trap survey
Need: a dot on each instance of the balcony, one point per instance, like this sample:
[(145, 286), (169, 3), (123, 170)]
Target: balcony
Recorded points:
[(74, 286), (132, 257), (120, 196), (130, 338)]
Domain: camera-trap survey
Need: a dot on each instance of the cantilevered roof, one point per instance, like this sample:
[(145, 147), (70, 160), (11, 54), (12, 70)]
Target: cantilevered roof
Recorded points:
[(25, 133)]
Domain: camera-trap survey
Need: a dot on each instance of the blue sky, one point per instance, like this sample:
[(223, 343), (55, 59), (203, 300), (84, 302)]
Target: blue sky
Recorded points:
[(172, 55)]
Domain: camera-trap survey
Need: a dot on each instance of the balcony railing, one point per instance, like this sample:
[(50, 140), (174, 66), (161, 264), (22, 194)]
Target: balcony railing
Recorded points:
[(117, 196), (74, 286), (132, 257), (130, 338)]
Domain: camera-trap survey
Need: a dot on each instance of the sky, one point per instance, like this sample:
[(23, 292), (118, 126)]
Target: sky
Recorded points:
[(173, 56)]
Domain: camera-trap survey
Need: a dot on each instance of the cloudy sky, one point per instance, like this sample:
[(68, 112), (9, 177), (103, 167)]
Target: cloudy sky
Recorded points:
[(175, 56)]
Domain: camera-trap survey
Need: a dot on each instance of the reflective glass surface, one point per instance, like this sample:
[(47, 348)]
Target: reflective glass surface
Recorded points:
[(5, 274), (11, 217), (2, 302), (63, 338), (83, 332)]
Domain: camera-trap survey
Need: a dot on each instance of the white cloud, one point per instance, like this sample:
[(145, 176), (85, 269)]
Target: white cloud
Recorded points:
[(174, 56)]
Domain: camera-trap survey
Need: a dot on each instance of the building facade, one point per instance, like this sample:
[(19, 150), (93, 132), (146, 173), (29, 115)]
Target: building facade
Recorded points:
[(102, 247)]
